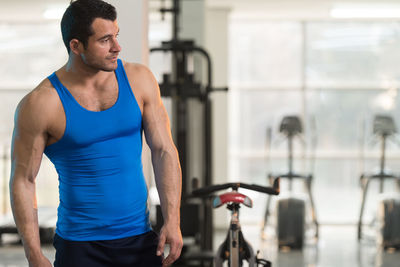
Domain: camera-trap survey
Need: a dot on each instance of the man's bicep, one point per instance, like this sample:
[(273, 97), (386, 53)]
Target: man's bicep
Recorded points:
[(26, 155), (156, 126), (156, 122), (28, 142)]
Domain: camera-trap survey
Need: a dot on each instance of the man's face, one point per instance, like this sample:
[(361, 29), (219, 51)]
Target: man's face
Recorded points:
[(103, 48)]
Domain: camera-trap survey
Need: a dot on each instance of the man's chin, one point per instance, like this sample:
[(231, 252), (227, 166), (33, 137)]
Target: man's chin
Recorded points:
[(109, 70), (110, 67)]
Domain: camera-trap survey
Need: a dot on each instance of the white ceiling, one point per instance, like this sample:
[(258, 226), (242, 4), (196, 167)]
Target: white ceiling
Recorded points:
[(294, 9), (12, 10)]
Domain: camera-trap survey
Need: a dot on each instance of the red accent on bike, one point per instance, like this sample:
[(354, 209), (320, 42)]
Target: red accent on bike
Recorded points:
[(232, 197)]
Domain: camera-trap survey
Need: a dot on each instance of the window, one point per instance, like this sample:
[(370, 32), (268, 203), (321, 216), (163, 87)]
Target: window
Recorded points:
[(336, 76)]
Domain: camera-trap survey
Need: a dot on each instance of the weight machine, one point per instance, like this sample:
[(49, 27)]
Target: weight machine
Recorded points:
[(180, 86)]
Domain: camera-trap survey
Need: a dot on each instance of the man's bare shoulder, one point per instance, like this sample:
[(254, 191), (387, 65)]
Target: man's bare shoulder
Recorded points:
[(45, 89), (142, 78), (136, 70), (40, 103)]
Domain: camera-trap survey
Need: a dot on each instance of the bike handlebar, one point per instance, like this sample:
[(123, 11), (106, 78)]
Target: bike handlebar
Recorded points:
[(274, 190), (295, 175)]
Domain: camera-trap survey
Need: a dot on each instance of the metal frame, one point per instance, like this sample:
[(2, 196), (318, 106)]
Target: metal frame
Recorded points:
[(291, 126), (383, 127)]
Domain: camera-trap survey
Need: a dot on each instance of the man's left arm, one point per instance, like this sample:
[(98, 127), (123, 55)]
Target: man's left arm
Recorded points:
[(165, 161)]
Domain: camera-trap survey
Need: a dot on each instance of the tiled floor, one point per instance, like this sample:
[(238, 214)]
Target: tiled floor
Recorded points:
[(337, 247)]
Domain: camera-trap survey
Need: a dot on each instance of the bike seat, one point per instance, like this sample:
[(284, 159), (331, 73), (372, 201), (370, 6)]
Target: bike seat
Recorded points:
[(232, 197)]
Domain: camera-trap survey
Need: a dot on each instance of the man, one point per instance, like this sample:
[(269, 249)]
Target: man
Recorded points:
[(88, 117)]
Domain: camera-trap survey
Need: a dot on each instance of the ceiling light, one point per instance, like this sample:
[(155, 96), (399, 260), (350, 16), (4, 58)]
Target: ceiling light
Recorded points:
[(365, 11)]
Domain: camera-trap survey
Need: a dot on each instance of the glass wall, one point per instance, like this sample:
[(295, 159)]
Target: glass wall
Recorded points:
[(336, 76), (31, 52)]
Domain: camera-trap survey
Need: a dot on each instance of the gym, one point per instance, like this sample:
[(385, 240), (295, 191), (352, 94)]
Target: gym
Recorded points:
[(285, 115)]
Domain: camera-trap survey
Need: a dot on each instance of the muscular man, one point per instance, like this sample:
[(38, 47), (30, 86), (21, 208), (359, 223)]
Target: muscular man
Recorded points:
[(88, 118)]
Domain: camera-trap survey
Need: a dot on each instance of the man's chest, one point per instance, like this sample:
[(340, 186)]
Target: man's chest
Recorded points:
[(97, 99)]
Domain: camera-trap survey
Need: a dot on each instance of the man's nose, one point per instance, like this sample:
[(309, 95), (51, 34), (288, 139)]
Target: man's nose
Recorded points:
[(115, 47)]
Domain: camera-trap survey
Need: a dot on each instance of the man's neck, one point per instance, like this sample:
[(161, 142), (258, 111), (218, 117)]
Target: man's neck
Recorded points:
[(77, 72)]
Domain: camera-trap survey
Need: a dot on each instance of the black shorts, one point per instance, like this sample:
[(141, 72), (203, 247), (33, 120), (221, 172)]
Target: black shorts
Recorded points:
[(134, 251)]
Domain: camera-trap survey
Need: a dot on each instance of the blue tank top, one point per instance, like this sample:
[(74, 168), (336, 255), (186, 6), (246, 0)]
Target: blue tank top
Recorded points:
[(103, 193)]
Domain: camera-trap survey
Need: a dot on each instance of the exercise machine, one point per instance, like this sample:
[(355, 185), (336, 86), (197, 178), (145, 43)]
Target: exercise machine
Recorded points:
[(47, 218), (235, 249), (291, 211), (181, 87), (384, 128)]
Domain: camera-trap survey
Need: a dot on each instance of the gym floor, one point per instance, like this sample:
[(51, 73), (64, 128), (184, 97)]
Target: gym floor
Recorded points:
[(337, 246)]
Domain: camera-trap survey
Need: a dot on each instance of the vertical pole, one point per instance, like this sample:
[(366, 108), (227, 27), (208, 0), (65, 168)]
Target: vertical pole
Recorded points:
[(208, 242), (175, 25), (181, 128), (382, 173), (303, 88), (290, 147), (364, 188), (5, 180)]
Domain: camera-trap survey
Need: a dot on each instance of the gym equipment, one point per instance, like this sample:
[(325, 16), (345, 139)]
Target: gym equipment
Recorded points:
[(180, 86), (291, 210), (235, 249), (389, 212), (390, 223), (47, 218)]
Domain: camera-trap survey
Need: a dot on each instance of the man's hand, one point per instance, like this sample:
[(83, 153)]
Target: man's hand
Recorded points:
[(41, 261), (170, 234)]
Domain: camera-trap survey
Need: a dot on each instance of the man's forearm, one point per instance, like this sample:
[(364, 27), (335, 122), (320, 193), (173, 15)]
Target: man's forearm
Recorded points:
[(23, 203), (169, 184)]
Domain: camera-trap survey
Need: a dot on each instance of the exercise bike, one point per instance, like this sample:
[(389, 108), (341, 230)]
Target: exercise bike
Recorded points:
[(235, 249)]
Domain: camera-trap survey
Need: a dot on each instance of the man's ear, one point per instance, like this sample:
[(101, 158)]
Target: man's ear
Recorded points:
[(76, 46)]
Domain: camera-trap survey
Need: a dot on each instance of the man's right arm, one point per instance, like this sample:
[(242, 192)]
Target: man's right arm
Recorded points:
[(28, 143)]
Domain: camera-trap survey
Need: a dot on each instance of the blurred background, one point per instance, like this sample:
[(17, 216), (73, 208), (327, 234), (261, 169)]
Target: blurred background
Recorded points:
[(335, 65)]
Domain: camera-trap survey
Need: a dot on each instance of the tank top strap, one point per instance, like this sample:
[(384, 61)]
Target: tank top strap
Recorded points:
[(61, 90), (122, 78)]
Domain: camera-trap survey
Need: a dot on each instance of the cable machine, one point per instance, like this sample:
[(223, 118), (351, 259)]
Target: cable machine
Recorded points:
[(180, 86)]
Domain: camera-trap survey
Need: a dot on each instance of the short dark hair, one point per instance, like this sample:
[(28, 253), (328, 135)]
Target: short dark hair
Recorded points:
[(79, 16)]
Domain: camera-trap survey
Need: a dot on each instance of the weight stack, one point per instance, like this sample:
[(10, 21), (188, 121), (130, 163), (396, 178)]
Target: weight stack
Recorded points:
[(389, 216), (291, 222)]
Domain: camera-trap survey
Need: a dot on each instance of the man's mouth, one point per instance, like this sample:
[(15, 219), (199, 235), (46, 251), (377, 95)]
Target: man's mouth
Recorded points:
[(113, 58)]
